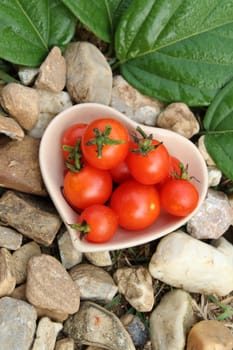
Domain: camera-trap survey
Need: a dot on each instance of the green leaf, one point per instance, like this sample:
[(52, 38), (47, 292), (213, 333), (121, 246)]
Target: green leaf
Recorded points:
[(218, 122), (99, 16), (177, 50), (30, 28)]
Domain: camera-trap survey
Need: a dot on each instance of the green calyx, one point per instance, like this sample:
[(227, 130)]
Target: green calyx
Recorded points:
[(145, 145), (102, 138), (73, 161), (83, 228)]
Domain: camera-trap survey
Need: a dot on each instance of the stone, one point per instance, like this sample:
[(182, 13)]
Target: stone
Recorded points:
[(9, 238), (65, 344), (69, 255), (213, 218), (202, 148), (129, 101), (46, 334), (7, 273), (11, 128), (27, 75), (50, 286), (184, 262), (34, 217), (208, 335), (17, 324), (19, 166), (136, 328), (171, 320), (214, 176), (135, 283), (89, 76), (179, 118), (20, 260), (52, 72), (225, 247), (22, 103), (94, 283), (100, 259), (93, 325)]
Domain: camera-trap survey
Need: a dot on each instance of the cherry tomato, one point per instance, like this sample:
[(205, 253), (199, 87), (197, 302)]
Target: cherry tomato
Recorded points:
[(87, 186), (120, 173), (105, 143), (137, 205), (97, 223), (179, 197), (70, 137), (174, 171)]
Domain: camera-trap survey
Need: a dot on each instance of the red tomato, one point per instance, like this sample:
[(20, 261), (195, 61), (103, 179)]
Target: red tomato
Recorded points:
[(174, 171), (148, 167), (97, 223), (87, 186), (105, 143), (70, 137), (137, 205), (179, 197), (120, 173)]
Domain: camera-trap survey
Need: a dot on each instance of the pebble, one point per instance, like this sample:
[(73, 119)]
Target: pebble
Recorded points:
[(19, 166), (7, 273), (11, 128), (179, 118), (94, 283), (202, 148), (9, 238), (99, 258), (213, 218), (209, 334), (94, 325), (22, 103), (32, 216), (214, 176), (52, 72), (136, 328), (135, 283), (20, 260), (185, 262), (27, 75), (171, 320), (89, 76), (129, 101), (17, 324), (46, 334), (50, 286), (65, 344), (69, 255)]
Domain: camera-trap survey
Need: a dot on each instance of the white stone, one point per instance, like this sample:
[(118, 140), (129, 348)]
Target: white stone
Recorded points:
[(46, 334), (214, 176), (188, 263), (69, 255), (27, 75), (99, 258), (65, 344), (204, 152), (10, 238)]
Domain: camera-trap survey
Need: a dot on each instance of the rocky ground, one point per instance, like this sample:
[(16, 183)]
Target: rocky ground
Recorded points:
[(170, 294)]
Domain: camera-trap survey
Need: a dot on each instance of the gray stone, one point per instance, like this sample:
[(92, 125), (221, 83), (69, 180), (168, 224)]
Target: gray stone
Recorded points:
[(69, 255), (9, 238), (32, 216), (94, 325), (214, 176), (171, 320), (27, 75), (17, 324), (99, 258), (7, 273), (46, 334), (89, 76), (213, 218), (11, 128), (136, 328)]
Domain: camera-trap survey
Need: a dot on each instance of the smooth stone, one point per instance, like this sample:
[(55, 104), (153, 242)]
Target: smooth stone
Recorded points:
[(213, 218), (94, 283), (49, 286), (100, 259), (11, 128), (214, 176), (202, 148), (184, 262), (171, 320), (135, 283), (9, 238), (7, 273), (17, 324), (94, 325), (136, 328), (209, 335), (69, 255), (46, 334), (27, 75), (65, 344)]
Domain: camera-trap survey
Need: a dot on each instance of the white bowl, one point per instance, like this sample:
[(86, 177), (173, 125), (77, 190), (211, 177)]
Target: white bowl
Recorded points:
[(51, 164)]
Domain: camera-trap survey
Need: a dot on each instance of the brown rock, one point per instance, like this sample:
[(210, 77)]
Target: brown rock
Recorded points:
[(7, 276), (19, 166), (52, 73), (209, 335), (32, 216), (22, 103), (50, 286), (11, 128), (65, 344)]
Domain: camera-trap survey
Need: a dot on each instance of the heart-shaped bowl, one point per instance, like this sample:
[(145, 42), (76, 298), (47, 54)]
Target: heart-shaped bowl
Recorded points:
[(52, 169)]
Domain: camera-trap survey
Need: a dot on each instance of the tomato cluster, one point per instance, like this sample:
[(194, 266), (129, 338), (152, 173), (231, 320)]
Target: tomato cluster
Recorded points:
[(116, 178)]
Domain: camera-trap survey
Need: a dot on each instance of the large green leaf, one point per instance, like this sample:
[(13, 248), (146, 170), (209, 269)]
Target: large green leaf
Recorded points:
[(99, 16), (30, 28), (218, 123), (177, 50)]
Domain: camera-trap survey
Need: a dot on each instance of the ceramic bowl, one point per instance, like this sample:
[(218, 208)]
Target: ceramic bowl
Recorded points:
[(51, 164)]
